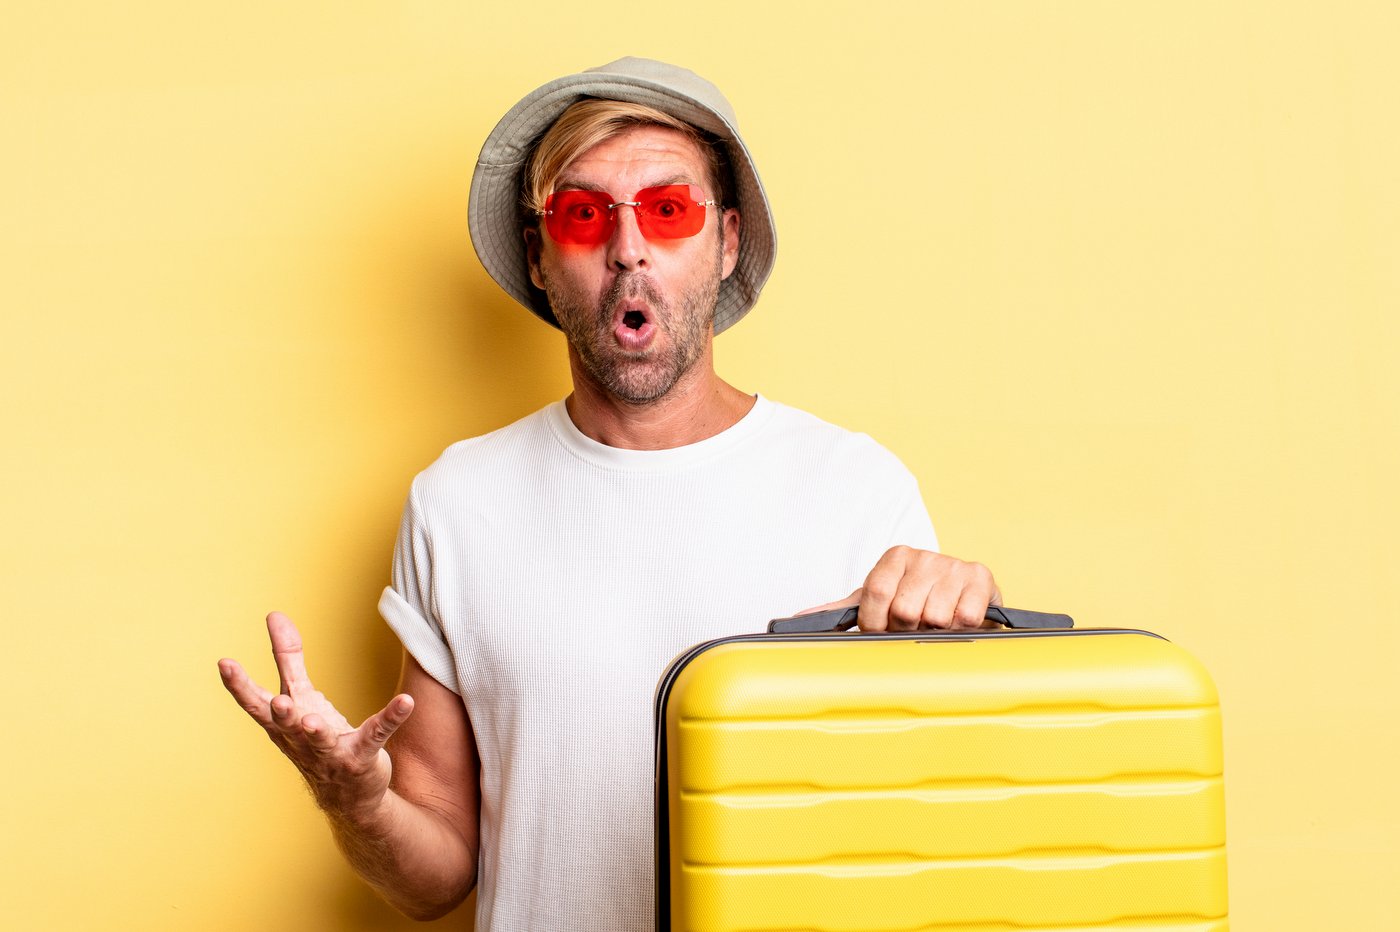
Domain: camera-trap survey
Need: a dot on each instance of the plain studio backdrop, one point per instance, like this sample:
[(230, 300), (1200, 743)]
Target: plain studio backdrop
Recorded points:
[(1118, 281)]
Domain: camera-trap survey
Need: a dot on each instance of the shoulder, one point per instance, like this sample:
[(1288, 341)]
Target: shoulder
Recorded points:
[(804, 434), (479, 462)]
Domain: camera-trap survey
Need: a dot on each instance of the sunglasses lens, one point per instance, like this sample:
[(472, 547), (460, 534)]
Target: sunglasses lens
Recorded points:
[(579, 218), (671, 211), (586, 218)]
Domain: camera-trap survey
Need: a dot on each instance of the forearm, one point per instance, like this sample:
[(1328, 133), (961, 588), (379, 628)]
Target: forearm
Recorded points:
[(412, 855)]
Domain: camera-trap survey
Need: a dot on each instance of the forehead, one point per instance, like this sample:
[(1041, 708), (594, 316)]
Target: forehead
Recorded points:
[(640, 156)]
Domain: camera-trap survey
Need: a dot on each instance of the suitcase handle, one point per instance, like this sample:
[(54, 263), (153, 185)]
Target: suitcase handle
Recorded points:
[(839, 619)]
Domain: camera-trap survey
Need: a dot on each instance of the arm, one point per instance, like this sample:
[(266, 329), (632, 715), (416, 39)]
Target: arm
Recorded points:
[(407, 824)]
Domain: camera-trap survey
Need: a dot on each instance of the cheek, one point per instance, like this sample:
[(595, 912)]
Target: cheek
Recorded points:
[(545, 265)]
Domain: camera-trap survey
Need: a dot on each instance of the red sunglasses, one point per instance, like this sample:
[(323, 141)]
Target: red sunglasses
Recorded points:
[(587, 218)]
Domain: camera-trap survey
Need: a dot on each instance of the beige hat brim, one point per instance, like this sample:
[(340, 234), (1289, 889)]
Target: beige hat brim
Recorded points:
[(493, 214)]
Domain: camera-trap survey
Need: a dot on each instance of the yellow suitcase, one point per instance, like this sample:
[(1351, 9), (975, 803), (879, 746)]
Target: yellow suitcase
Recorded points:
[(996, 781)]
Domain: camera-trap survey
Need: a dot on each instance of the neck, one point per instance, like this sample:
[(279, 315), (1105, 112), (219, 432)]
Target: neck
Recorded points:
[(700, 405)]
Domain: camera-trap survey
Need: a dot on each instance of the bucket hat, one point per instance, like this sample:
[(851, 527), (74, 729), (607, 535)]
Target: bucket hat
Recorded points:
[(493, 214)]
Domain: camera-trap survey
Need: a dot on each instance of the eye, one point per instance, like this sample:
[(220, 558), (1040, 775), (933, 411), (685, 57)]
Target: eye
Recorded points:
[(668, 209), (584, 213)]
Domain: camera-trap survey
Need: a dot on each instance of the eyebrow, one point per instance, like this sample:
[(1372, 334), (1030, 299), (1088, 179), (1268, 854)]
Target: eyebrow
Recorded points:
[(569, 184)]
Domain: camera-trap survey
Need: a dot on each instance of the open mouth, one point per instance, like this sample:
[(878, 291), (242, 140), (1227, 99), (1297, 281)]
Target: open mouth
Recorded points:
[(633, 329)]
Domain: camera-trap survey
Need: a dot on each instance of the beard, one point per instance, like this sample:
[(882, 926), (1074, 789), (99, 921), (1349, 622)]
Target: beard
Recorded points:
[(638, 378)]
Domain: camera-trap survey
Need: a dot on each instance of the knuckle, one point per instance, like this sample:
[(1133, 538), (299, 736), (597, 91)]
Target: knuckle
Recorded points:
[(290, 728), (880, 589), (965, 620), (873, 623), (906, 607), (903, 620), (938, 616)]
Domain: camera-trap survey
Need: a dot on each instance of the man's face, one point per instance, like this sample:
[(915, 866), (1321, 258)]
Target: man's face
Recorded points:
[(638, 312)]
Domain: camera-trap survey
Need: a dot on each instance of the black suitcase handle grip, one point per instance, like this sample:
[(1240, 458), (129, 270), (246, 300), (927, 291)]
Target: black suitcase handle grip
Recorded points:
[(839, 619)]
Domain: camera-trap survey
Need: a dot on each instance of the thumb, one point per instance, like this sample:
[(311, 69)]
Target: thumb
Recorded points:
[(375, 731), (852, 599)]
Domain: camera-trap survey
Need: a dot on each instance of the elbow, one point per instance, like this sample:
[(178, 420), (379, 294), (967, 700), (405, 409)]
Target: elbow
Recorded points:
[(429, 905), (428, 910)]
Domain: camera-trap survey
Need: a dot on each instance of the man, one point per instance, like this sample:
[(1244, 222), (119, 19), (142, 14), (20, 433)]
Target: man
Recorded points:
[(546, 573)]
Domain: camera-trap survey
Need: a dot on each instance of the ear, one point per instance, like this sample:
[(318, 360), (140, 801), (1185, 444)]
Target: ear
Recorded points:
[(533, 244), (730, 232)]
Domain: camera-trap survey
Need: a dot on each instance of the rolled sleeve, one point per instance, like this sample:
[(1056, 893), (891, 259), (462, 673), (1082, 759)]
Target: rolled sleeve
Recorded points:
[(407, 603), (420, 638)]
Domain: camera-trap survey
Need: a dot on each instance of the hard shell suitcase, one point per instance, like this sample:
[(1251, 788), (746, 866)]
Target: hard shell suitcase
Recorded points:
[(994, 780)]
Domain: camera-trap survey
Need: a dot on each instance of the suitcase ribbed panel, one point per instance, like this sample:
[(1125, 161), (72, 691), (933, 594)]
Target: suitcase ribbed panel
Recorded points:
[(1008, 783)]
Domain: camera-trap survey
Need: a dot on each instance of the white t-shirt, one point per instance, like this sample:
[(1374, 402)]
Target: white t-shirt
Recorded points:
[(549, 580)]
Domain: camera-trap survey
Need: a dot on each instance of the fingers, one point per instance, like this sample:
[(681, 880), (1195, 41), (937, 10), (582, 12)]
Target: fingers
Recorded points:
[(970, 603), (319, 735), (375, 731), (252, 697), (910, 589), (296, 731), (286, 650), (286, 720), (941, 602), (880, 588)]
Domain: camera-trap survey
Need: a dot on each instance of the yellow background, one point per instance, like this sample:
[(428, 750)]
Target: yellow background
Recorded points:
[(1118, 281)]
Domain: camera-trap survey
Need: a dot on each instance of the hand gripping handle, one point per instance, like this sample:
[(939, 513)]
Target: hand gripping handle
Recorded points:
[(839, 619)]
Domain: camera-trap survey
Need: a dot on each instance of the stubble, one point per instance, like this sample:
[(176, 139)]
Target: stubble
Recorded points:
[(638, 378)]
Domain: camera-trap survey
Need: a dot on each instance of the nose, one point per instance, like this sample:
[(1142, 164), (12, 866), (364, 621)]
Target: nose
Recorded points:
[(628, 249)]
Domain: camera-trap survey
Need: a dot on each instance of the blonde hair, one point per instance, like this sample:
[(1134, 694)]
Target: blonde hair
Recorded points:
[(591, 122)]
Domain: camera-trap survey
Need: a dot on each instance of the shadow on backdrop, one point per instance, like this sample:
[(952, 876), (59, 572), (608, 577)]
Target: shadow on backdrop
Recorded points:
[(490, 363)]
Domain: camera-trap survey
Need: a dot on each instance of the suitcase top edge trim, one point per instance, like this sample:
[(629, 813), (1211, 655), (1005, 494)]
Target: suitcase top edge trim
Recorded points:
[(668, 677)]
